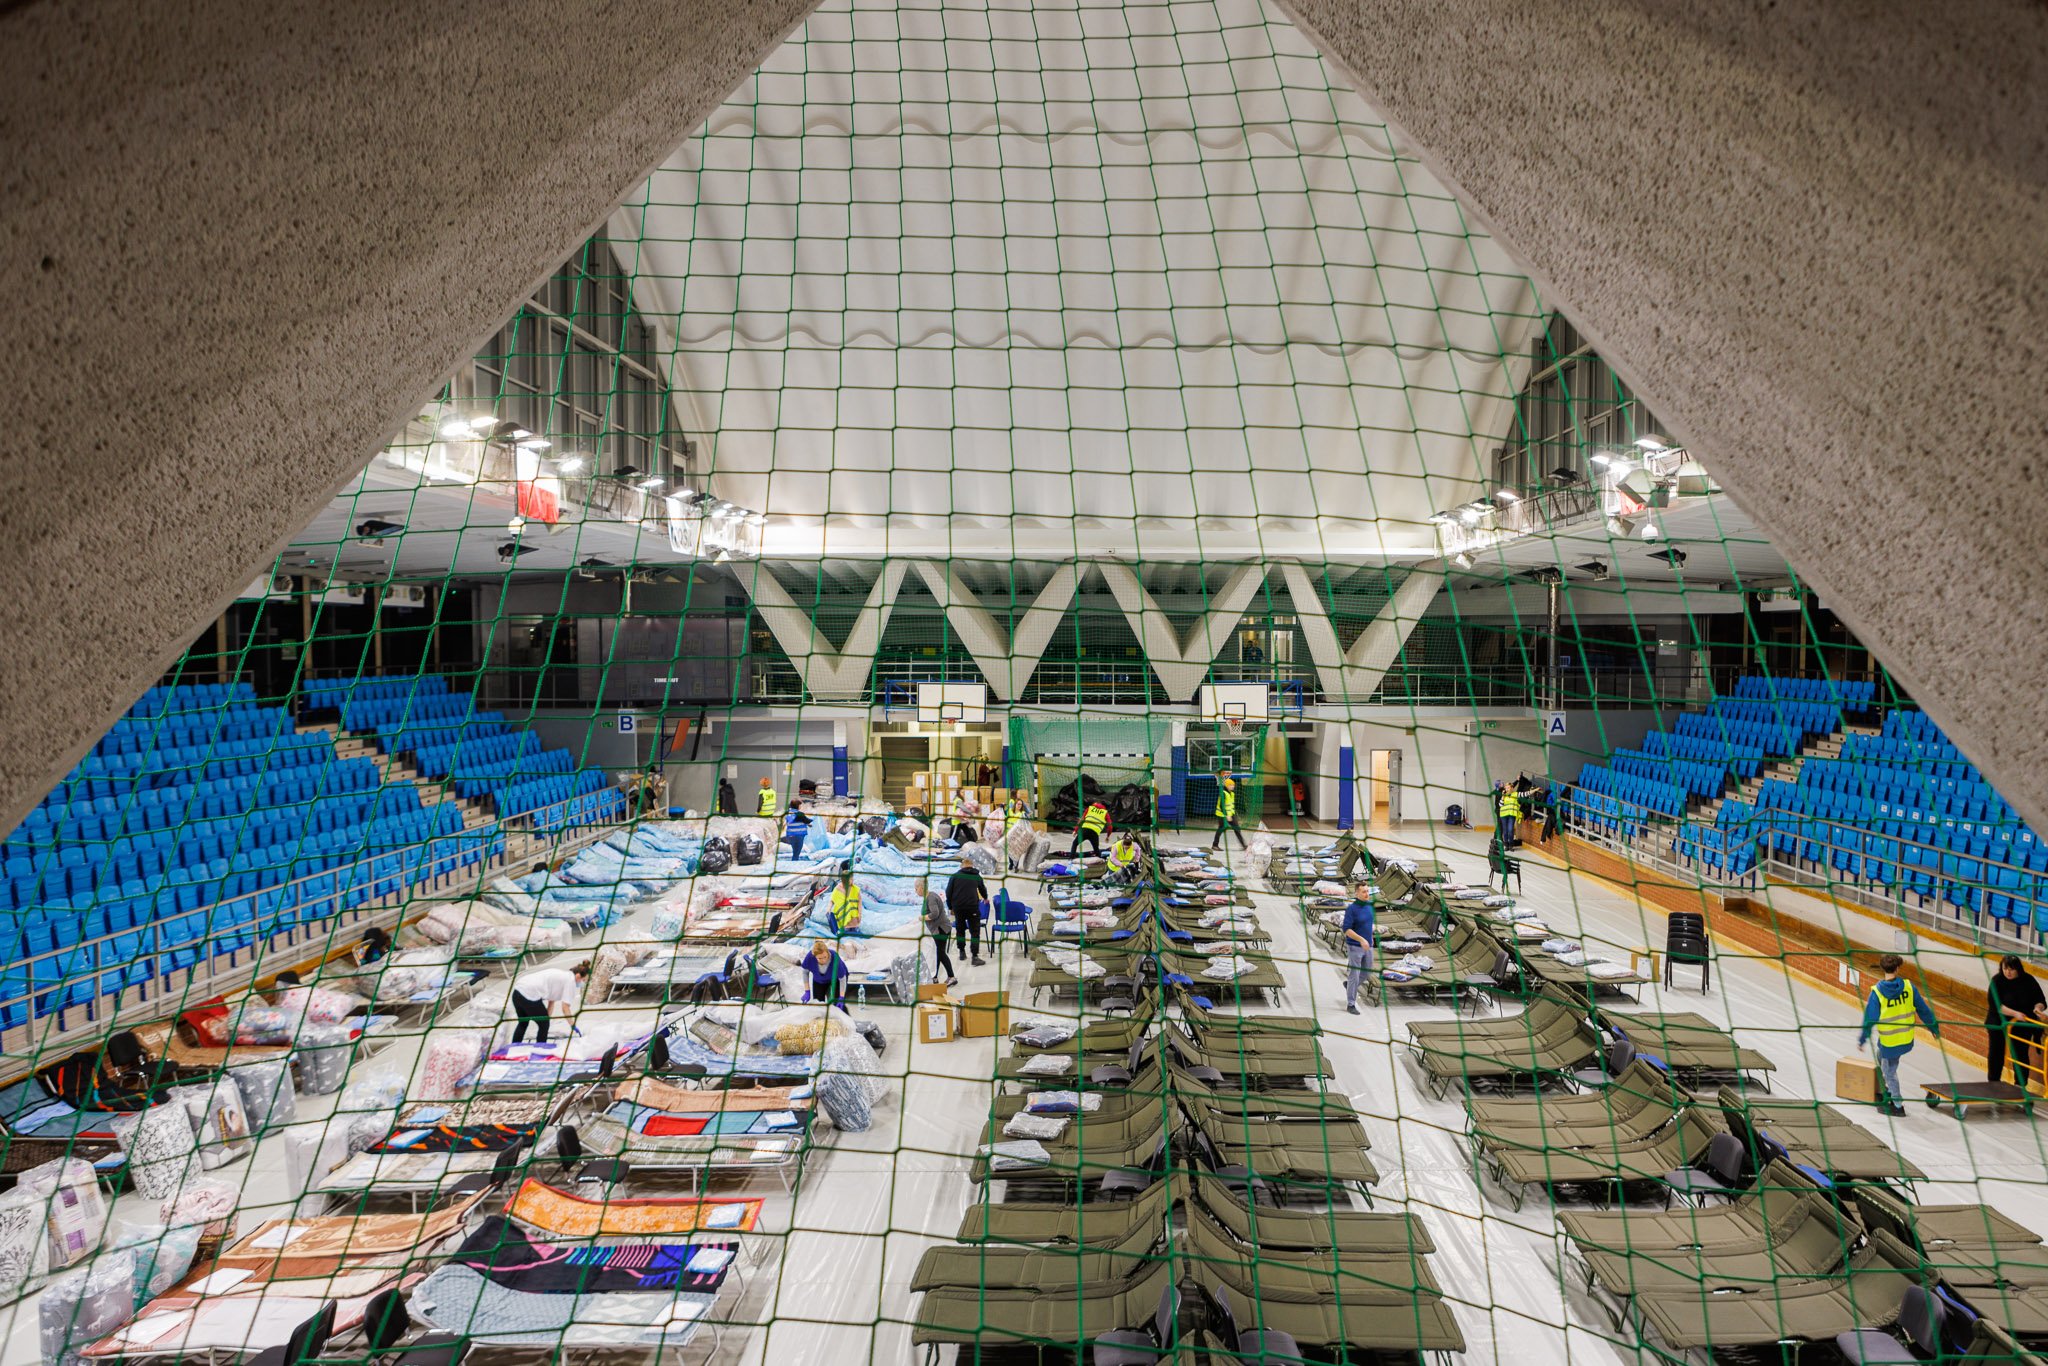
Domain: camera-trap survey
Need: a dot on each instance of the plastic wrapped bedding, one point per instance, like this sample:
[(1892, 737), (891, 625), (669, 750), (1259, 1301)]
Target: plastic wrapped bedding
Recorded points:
[(322, 1058), (162, 1150), (1228, 968), (79, 1309), (208, 1202), (447, 1061), (1073, 962), (219, 1123), (849, 1083), (141, 1262), (1024, 1124), (379, 1090), (74, 1209)]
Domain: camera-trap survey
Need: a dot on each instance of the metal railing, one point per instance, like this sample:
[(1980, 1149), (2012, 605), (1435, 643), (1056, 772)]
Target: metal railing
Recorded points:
[(205, 943), (1650, 838)]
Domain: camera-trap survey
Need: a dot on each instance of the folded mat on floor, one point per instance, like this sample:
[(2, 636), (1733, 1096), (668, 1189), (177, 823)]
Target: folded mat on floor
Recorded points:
[(336, 1235), (618, 1132), (657, 1094), (458, 1299), (497, 1250), (455, 1138), (367, 1170), (539, 1205), (185, 1325)]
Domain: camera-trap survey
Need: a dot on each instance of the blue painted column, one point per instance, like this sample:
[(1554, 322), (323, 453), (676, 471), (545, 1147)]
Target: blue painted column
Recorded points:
[(1347, 786), (840, 766)]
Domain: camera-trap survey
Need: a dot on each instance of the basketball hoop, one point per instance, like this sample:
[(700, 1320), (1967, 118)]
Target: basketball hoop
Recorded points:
[(1233, 727)]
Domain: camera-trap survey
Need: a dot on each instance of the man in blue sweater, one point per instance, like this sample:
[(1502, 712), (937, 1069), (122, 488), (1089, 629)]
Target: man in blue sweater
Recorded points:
[(1356, 935), (1892, 1011)]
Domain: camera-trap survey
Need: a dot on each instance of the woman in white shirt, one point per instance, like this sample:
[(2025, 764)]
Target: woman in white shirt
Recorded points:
[(544, 992)]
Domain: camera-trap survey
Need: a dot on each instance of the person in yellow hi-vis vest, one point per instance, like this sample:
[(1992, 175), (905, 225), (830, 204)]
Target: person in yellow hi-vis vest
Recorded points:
[(1226, 813), (1895, 1008), (844, 907), (1508, 816), (1094, 823), (1124, 859), (768, 804)]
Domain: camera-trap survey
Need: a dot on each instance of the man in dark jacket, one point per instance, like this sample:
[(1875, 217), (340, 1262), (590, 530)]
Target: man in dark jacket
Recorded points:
[(966, 895)]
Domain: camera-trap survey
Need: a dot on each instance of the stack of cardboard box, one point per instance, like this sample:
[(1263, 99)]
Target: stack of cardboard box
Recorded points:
[(937, 793), (940, 1018)]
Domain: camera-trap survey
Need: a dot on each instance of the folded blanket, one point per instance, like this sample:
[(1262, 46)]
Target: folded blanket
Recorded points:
[(1016, 1155), (1023, 1124), (1064, 1102), (1047, 1065), (1045, 1036)]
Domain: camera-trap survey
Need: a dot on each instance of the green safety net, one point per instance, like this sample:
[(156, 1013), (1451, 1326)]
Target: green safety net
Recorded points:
[(1082, 360)]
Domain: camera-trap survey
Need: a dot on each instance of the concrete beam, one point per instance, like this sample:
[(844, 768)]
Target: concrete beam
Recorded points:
[(828, 671), (240, 243), (1356, 673), (1810, 237), (1006, 661), (1182, 663)]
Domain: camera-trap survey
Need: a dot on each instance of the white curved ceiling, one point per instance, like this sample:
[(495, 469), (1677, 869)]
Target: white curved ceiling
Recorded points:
[(1117, 277)]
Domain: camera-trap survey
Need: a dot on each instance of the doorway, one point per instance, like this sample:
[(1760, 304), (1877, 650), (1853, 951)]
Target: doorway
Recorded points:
[(1386, 786)]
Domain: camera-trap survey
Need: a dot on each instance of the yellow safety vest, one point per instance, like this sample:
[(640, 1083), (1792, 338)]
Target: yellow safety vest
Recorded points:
[(1013, 817), (768, 807), (1510, 806), (1226, 803), (1896, 1019), (1096, 818), (845, 909), (1122, 861)]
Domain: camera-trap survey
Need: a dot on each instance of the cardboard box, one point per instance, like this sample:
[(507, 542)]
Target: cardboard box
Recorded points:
[(937, 1022), (1856, 1079), (984, 1015), (1000, 794), (952, 782), (934, 991)]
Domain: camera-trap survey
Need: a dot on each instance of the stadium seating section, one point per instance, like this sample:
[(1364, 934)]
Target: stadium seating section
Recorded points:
[(205, 820), (1903, 811)]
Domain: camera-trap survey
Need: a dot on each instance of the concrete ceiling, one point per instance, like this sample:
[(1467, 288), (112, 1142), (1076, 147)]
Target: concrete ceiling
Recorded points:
[(240, 244), (1811, 238)]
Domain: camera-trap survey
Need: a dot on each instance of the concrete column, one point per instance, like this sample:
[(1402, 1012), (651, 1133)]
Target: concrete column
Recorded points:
[(1810, 236), (240, 244)]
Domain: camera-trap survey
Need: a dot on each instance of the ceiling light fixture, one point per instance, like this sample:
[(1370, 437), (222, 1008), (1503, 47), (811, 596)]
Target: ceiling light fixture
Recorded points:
[(376, 528), (455, 429), (1469, 516), (1462, 560), (570, 464), (1596, 568), (534, 444), (649, 484), (1565, 475), (483, 423), (1507, 496), (510, 550), (1650, 443), (1671, 555)]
